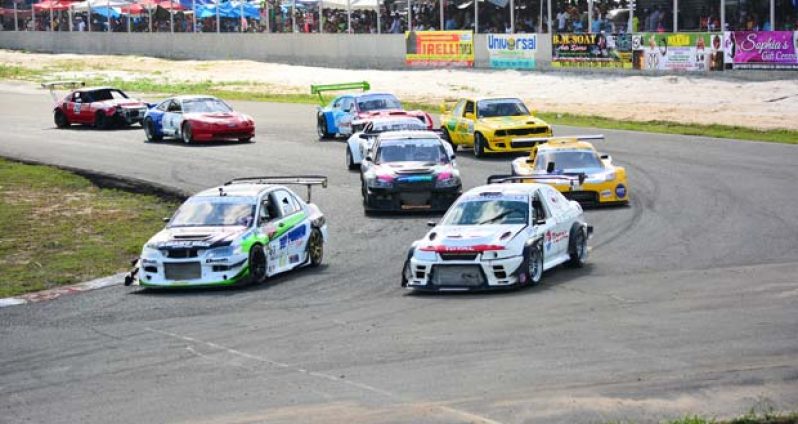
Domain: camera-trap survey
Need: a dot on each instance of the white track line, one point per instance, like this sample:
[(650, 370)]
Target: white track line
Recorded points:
[(329, 377)]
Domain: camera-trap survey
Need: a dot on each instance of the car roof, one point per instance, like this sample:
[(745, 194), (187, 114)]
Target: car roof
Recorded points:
[(505, 188), (245, 189), (373, 93), (88, 89), (194, 97), (566, 144), (408, 134), (479, 99)]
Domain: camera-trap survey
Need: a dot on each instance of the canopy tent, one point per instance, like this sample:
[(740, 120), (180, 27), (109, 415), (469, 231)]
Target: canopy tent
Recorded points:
[(352, 4), (94, 4), (133, 9), (228, 10), (110, 12), (54, 5)]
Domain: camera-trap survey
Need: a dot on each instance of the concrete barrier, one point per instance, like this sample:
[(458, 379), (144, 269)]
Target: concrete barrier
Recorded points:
[(383, 51)]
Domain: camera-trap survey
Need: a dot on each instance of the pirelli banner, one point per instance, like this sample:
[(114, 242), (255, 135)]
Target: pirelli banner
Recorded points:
[(436, 49), (591, 51)]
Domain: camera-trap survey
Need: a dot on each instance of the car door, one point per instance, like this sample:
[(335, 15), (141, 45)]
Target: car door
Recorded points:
[(172, 118), (346, 115), (72, 106), (85, 110), (453, 120), (558, 234), (465, 125), (289, 229)]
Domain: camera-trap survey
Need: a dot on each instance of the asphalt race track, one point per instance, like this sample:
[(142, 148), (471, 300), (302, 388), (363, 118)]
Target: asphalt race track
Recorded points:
[(688, 304)]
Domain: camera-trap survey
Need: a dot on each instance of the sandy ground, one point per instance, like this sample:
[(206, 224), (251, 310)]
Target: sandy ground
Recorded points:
[(697, 99)]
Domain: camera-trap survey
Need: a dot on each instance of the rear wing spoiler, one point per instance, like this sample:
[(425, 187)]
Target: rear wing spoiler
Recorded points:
[(69, 85), (539, 140), (320, 88), (305, 180), (574, 179)]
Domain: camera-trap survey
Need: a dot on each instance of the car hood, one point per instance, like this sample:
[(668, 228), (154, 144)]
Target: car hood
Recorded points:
[(122, 102), (400, 169), (510, 121), (200, 237), (217, 117), (469, 238)]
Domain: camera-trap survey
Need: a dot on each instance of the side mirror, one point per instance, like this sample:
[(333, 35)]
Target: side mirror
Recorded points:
[(431, 223), (348, 109), (369, 159), (166, 219), (550, 167), (606, 157), (539, 221), (364, 136), (530, 161), (453, 156)]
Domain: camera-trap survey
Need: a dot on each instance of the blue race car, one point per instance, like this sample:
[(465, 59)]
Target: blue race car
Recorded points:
[(348, 113), (197, 118)]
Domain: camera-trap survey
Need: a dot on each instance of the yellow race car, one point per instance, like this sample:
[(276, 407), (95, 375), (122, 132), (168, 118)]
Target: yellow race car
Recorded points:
[(495, 125), (554, 160)]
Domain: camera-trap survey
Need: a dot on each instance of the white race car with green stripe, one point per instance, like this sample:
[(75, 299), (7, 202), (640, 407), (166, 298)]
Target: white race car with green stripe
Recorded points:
[(244, 231)]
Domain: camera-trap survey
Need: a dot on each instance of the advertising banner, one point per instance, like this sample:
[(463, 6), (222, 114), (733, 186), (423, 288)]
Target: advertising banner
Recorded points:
[(512, 51), (761, 50), (591, 51), (677, 51), (439, 48)]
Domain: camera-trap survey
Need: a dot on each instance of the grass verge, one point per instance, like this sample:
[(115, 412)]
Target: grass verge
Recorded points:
[(749, 418), (242, 90), (58, 228)]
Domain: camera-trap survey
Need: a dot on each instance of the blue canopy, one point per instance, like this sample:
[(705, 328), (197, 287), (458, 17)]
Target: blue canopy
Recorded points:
[(106, 11), (228, 10)]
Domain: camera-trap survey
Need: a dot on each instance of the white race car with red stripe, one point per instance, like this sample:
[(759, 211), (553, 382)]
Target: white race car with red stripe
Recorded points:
[(498, 236)]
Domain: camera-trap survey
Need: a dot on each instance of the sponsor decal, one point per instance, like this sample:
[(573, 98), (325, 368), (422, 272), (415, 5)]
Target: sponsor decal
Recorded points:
[(762, 49), (297, 234), (592, 50), (620, 191), (293, 259), (553, 237), (439, 49), (415, 179), (606, 193), (678, 51), (512, 51)]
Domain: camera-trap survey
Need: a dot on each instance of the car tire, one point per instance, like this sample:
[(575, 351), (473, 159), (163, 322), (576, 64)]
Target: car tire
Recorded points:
[(258, 264), (448, 138), (350, 161), (185, 133), (479, 145), (60, 118), (534, 264), (366, 199), (315, 248), (321, 127), (101, 121), (406, 272), (577, 246), (149, 130)]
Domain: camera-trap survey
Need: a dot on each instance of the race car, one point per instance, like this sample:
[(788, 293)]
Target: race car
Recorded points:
[(409, 170), (492, 125), (604, 183), (348, 113), (498, 236), (242, 232), (101, 107), (197, 118), (360, 142)]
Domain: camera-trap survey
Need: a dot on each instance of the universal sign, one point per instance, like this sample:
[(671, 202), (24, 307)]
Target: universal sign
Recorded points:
[(515, 51)]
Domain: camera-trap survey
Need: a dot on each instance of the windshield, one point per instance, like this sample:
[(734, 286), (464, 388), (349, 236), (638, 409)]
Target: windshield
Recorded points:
[(501, 107), (107, 94), (484, 211), (205, 106), (406, 124), (568, 160), (215, 211), (378, 102), (412, 150)]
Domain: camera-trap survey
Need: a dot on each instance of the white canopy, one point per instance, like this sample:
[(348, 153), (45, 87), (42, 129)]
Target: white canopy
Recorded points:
[(84, 5), (354, 4)]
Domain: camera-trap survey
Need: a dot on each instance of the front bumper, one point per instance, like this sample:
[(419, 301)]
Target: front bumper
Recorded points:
[(130, 115), (604, 193), (516, 144), (412, 198), (222, 134), (192, 272), (479, 274)]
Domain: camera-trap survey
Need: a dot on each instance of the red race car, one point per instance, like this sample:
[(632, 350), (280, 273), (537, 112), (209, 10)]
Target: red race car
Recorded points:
[(197, 118), (102, 107)]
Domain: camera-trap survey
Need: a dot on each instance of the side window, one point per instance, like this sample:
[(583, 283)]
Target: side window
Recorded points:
[(458, 108), (163, 106), (174, 106), (555, 200), (76, 98), (469, 107), (348, 104), (285, 203), (538, 210)]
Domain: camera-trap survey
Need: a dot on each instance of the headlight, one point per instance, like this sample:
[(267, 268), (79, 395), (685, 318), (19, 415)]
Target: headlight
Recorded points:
[(450, 181), (221, 252), (149, 251), (378, 183), (610, 177)]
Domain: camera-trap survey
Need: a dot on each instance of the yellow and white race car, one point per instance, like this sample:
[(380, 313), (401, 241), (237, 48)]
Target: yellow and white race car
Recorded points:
[(492, 125), (603, 182)]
